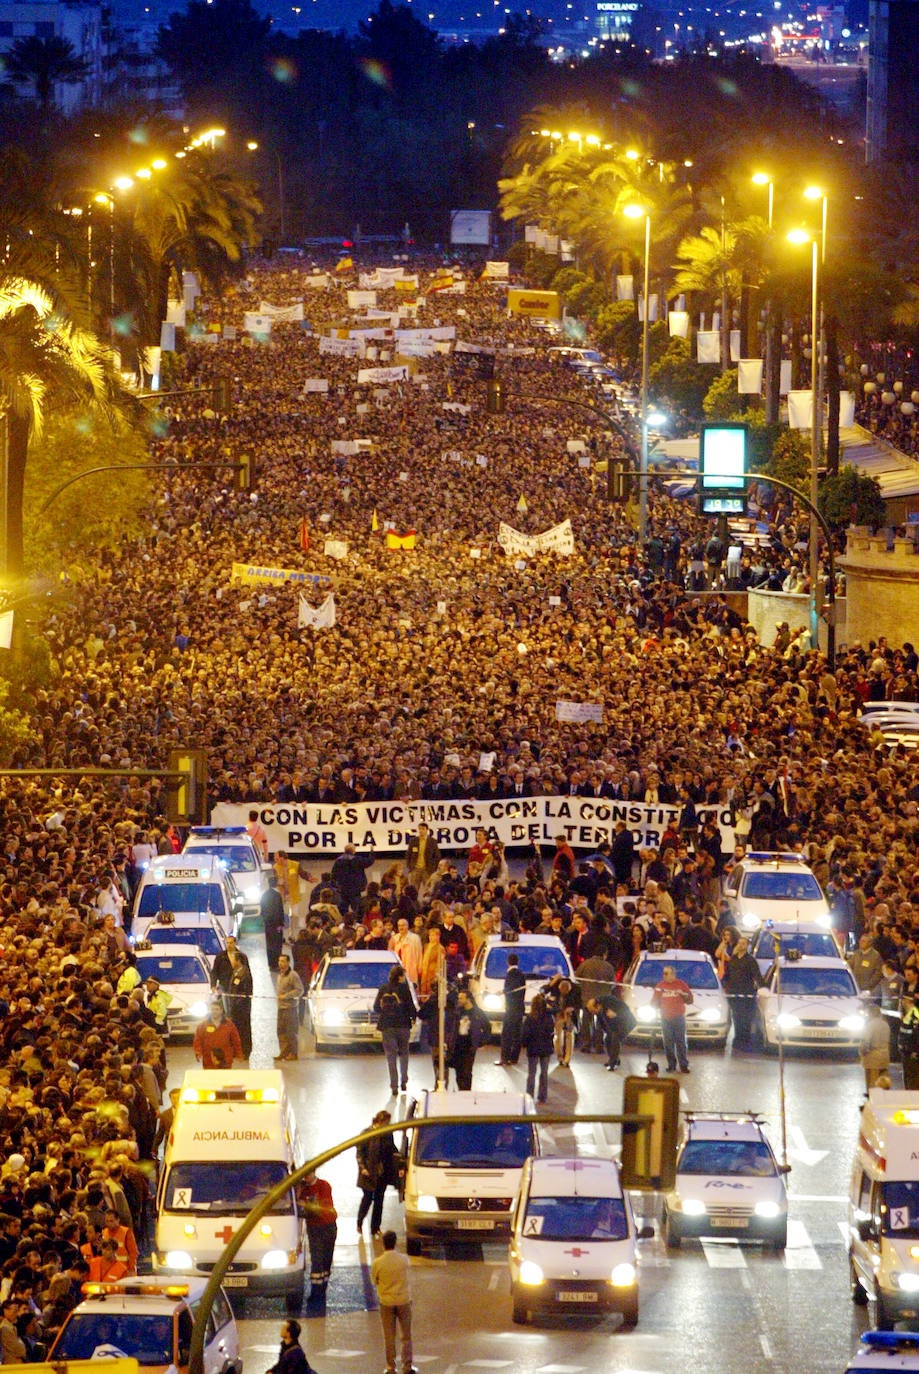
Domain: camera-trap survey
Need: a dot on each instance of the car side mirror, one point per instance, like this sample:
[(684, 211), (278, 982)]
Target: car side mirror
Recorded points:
[(645, 1233), (865, 1228)]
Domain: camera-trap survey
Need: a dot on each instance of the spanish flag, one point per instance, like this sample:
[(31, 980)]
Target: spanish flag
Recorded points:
[(344, 265), (374, 522), (400, 541), (304, 535)]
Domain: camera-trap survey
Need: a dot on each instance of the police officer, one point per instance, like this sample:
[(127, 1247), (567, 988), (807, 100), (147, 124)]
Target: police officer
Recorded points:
[(908, 1040), (156, 1004)]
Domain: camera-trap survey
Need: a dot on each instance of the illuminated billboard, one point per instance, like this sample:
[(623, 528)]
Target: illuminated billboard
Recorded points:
[(723, 469)]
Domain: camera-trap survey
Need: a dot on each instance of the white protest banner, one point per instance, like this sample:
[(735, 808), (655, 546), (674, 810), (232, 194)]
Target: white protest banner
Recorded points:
[(421, 348), (256, 324), (708, 346), (443, 332), (369, 334), (341, 348), (317, 281), (358, 299), (315, 384), (749, 376), (576, 446), (381, 278), (800, 410), (376, 375), (229, 332), (310, 828), (316, 618), (175, 314), (496, 271), (284, 314), (335, 548), (6, 629), (458, 407), (346, 446), (560, 539), (578, 711), (252, 574), (487, 761)]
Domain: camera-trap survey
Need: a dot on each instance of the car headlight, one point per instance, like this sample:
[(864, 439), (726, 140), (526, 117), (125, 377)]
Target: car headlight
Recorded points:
[(331, 1016), (855, 1022), (694, 1207), (274, 1259), (493, 1001), (199, 1010), (530, 1273), (825, 922), (767, 1210), (646, 1013), (908, 1283), (179, 1259), (786, 1020), (426, 1203), (623, 1276), (710, 1015), (749, 921)]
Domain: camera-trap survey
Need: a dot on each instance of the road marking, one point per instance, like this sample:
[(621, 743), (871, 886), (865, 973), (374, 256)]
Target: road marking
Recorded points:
[(765, 1346), (560, 1368), (746, 1281), (494, 1279), (333, 1353), (684, 1096), (844, 1232), (801, 1151), (488, 1364), (724, 1254), (799, 1252)]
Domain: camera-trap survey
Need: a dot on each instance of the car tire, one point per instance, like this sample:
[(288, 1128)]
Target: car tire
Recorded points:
[(630, 1316), (856, 1289), (519, 1312), (413, 1246), (672, 1236), (293, 1303)]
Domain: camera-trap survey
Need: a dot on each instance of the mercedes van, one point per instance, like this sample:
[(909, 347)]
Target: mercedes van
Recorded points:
[(884, 1207)]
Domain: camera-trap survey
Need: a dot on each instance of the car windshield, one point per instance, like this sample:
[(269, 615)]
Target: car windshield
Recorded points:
[(812, 942), (900, 1209), (537, 962), (341, 976), (773, 886), (226, 1189), (237, 857), (169, 969), (796, 981), (146, 1339), (484, 1145), (205, 937), (180, 897), (575, 1218), (749, 1158), (697, 973)]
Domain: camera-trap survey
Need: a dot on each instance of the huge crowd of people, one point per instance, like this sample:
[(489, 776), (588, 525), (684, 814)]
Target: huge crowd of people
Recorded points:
[(441, 653)]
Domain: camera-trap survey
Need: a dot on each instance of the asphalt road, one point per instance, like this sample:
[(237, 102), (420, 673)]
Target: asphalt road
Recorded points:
[(717, 1306)]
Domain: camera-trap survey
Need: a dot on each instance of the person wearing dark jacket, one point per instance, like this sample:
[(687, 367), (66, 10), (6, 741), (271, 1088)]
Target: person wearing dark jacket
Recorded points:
[(741, 981), (537, 1036), (377, 1170), (515, 987), (613, 1019), (472, 1030), (394, 1009), (271, 909), (349, 876), (292, 1358)]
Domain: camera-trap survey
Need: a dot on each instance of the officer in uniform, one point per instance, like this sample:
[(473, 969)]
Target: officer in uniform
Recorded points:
[(908, 1040)]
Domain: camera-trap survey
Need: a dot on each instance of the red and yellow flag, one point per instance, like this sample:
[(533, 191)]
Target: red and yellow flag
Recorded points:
[(400, 541), (304, 535)]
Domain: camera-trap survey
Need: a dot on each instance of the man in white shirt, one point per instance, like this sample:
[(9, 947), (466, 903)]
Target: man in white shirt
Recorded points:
[(389, 1274)]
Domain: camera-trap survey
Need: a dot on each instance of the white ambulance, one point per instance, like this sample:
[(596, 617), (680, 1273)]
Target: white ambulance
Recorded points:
[(884, 1207), (233, 1139)]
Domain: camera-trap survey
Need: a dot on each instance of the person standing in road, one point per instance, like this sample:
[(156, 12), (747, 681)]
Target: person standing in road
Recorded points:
[(472, 1030), (349, 877), (908, 1040), (292, 1358), (271, 909), (377, 1170), (672, 996), (614, 1020), (318, 1208), (389, 1274), (741, 981), (867, 965), (537, 1036), (394, 1009), (515, 989), (217, 1044), (874, 1050), (239, 996), (289, 990)]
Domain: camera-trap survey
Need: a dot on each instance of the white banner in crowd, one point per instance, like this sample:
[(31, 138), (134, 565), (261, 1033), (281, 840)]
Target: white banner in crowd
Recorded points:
[(385, 827), (253, 323), (421, 348), (284, 314), (799, 409), (380, 278), (358, 299), (560, 539), (317, 384), (749, 376), (335, 548), (316, 617), (735, 345), (579, 711), (708, 346), (496, 271), (377, 375), (784, 376), (441, 332), (341, 348), (316, 281), (175, 313), (846, 409)]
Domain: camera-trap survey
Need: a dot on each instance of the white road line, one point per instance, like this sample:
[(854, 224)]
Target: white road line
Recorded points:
[(494, 1279), (333, 1353), (746, 1281), (488, 1364), (560, 1368), (799, 1252), (724, 1254), (765, 1346)]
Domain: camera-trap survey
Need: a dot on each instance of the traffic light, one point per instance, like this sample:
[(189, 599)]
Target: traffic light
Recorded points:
[(495, 400), (244, 473), (649, 1152), (186, 790), (618, 481), (223, 395)]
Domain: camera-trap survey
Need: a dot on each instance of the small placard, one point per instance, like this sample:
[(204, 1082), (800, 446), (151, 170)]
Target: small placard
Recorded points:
[(475, 553), (555, 600)]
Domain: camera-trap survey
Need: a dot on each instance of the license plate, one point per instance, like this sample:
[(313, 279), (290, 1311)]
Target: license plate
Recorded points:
[(235, 1281), (474, 1224), (578, 1296), (739, 1223)]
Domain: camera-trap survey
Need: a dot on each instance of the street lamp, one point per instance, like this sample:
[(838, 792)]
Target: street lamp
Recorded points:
[(799, 236), (635, 211), (764, 179)]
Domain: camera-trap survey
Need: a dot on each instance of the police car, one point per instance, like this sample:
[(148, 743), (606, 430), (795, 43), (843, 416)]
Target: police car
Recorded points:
[(886, 1350), (183, 883), (780, 937), (778, 886), (728, 1183), (150, 1322), (540, 958), (707, 1017), (234, 849), (573, 1240), (341, 995), (192, 928), (183, 973)]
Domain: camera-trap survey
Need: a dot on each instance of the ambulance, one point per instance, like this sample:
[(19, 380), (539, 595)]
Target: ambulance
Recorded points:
[(233, 1139), (884, 1208)]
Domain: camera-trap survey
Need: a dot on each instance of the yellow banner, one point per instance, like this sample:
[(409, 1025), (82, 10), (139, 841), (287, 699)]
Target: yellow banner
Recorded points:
[(540, 305), (253, 574)]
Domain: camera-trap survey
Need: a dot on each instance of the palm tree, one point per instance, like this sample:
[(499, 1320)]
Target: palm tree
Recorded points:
[(721, 264), (45, 62)]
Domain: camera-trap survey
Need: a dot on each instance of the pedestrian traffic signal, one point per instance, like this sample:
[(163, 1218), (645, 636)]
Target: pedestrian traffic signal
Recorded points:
[(495, 400), (223, 395), (244, 473), (649, 1152)]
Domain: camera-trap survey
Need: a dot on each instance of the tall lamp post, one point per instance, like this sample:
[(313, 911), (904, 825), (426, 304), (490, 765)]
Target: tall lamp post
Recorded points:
[(635, 211), (802, 236), (764, 179)]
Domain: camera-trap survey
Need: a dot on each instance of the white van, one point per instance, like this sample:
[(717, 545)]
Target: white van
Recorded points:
[(884, 1207), (183, 883), (234, 1137), (461, 1180), (573, 1240)]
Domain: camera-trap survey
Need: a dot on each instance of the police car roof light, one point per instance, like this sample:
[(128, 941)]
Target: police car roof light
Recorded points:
[(889, 1340), (218, 830), (766, 856)]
